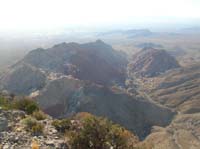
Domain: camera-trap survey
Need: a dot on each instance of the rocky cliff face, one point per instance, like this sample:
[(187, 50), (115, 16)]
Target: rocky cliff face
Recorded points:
[(151, 62), (15, 135)]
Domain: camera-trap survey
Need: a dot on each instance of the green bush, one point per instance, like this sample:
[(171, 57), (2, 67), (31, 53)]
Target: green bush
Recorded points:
[(27, 105), (29, 122), (62, 125), (100, 133), (39, 115), (37, 129), (33, 126), (4, 103)]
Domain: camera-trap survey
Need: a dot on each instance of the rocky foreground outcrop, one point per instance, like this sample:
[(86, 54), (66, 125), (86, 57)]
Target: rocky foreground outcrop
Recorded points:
[(151, 62), (93, 132), (13, 134)]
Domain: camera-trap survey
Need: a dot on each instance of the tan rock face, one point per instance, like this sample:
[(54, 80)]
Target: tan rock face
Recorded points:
[(179, 89), (182, 133)]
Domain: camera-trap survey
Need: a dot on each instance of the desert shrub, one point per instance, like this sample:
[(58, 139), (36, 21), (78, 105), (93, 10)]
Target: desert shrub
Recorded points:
[(82, 116), (39, 115), (27, 105), (120, 138), (116, 137), (92, 135), (62, 125), (100, 133), (37, 129), (29, 122), (4, 103), (33, 126), (31, 108)]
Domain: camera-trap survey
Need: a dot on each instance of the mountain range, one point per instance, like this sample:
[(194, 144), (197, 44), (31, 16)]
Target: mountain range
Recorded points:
[(147, 94)]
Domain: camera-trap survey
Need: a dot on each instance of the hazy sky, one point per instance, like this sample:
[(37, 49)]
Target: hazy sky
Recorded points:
[(39, 14)]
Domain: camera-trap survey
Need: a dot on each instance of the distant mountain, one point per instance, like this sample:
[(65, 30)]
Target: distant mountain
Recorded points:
[(128, 33), (138, 32), (148, 45), (151, 62), (191, 30)]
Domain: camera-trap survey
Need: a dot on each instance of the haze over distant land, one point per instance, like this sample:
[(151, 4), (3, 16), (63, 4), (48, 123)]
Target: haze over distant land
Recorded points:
[(124, 24), (67, 20), (44, 15)]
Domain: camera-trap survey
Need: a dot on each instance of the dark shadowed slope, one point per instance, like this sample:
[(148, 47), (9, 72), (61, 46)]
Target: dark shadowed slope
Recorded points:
[(66, 96)]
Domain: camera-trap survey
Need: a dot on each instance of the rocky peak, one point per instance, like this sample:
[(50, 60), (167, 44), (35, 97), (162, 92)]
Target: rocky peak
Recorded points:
[(99, 41)]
